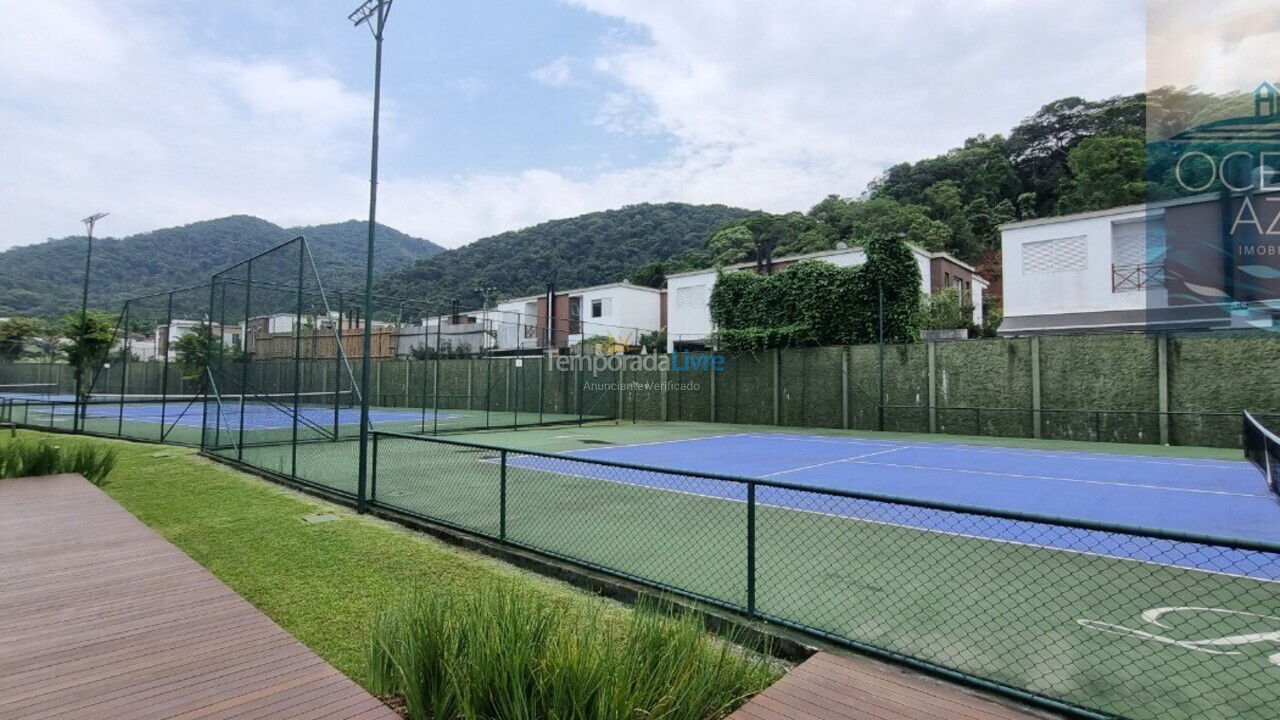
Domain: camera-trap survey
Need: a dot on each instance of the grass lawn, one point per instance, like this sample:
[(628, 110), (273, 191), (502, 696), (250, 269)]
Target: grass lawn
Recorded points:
[(324, 582)]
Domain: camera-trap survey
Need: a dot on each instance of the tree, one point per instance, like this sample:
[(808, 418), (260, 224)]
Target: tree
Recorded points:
[(89, 339), (48, 340), (14, 335), (1106, 171), (652, 275), (194, 350), (946, 310)]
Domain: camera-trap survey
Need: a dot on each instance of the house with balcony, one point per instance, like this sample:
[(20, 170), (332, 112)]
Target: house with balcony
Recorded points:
[(619, 313), (688, 294), (1196, 263)]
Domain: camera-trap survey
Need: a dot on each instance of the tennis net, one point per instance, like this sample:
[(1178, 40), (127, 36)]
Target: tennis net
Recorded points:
[(1262, 448), (315, 399), (29, 390)]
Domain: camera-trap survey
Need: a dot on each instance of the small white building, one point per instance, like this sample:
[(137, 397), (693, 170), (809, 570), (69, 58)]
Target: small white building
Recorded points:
[(1194, 263), (621, 312), (689, 293)]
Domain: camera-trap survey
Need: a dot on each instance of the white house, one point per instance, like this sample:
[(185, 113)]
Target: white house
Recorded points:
[(167, 335), (1193, 263), (689, 293), (620, 311)]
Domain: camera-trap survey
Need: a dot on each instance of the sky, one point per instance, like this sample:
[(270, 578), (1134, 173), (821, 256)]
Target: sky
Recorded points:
[(499, 115)]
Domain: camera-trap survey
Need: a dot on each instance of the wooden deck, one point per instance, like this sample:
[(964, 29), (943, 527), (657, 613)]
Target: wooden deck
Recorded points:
[(829, 687), (102, 618)]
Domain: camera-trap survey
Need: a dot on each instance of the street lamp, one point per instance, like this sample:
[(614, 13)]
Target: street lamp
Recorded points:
[(89, 222), (374, 14)]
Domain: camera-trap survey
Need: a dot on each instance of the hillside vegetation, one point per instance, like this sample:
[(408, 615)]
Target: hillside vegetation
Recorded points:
[(591, 249), (44, 280)]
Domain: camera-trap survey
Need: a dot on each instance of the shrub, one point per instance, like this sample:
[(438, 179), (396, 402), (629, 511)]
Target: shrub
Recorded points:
[(813, 302), (24, 458), (502, 654)]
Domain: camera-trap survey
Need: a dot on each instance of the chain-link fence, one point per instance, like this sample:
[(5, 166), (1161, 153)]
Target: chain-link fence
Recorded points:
[(1130, 622)]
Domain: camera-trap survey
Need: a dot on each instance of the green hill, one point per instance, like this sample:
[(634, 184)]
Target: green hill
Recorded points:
[(591, 249), (45, 279)]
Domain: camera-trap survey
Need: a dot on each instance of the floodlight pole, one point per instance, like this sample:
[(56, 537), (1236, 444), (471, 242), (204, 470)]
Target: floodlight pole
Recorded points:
[(374, 14), (89, 222)]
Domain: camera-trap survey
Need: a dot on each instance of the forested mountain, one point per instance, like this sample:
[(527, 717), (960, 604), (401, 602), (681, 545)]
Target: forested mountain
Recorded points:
[(45, 279), (590, 249)]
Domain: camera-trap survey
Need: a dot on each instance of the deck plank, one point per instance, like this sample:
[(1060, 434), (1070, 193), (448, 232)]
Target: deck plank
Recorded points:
[(102, 618), (831, 687)]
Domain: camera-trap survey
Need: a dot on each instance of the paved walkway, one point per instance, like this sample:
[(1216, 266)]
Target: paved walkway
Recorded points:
[(102, 618), (829, 687)]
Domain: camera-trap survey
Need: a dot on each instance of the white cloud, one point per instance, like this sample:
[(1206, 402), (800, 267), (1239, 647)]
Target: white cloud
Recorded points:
[(769, 104), (773, 105), (556, 73), (114, 113)]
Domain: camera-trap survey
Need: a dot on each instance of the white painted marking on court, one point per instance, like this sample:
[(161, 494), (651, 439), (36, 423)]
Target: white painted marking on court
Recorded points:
[(838, 460), (976, 511), (1062, 479), (1031, 452), (654, 442)]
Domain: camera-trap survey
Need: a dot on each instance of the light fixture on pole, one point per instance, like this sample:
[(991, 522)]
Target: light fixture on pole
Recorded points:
[(374, 14), (89, 222)]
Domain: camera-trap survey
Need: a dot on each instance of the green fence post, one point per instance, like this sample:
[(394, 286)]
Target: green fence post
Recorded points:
[(777, 386), (1036, 417), (361, 502), (1162, 364), (502, 496), (751, 549), (124, 371)]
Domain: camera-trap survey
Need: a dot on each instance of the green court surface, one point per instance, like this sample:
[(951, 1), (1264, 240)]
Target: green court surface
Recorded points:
[(1062, 623)]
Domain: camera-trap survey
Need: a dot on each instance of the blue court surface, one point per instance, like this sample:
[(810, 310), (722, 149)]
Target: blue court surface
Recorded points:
[(1205, 497)]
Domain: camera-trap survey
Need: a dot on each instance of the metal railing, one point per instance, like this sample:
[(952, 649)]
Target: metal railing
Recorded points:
[(1037, 607), (1143, 276)]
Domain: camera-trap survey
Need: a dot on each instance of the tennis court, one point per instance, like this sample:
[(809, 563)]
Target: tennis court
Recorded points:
[(1055, 608), (263, 417), (1208, 497)]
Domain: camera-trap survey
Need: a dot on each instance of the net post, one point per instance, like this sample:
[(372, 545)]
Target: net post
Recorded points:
[(502, 496), (244, 357), (164, 371), (124, 371), (751, 549), (297, 364)]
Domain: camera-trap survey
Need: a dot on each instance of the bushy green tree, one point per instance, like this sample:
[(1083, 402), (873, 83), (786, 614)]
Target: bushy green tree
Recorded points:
[(194, 350), (15, 333), (1106, 171), (89, 339)]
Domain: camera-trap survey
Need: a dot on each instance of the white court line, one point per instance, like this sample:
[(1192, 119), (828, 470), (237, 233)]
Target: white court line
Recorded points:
[(838, 460), (654, 442), (1031, 452), (917, 528), (990, 473)]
